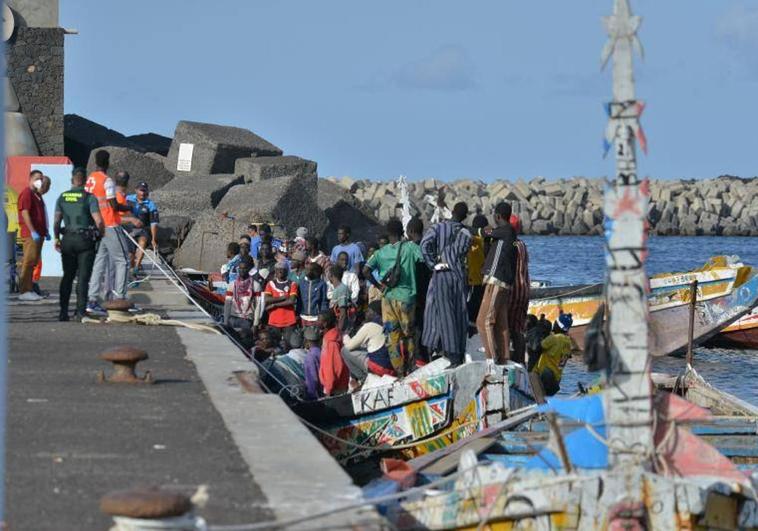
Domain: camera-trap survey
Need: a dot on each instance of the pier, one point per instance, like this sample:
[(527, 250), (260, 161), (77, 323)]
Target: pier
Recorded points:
[(203, 422)]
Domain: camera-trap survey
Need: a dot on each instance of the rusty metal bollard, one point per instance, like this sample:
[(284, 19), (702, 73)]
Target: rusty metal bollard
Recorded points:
[(124, 361), (150, 508), (118, 305)]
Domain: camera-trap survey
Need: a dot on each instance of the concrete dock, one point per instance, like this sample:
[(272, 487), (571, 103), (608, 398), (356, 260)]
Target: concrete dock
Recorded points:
[(71, 440)]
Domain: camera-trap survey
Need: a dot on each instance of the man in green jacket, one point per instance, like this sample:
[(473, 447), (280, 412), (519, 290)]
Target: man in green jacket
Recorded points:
[(79, 213)]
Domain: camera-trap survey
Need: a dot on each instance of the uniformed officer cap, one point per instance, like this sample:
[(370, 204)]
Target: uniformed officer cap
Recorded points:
[(142, 185)]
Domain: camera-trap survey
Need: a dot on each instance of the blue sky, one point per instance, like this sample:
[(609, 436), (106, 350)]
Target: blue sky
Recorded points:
[(426, 88)]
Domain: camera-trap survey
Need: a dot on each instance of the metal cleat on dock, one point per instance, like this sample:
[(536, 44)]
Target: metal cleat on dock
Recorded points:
[(151, 508), (124, 361)]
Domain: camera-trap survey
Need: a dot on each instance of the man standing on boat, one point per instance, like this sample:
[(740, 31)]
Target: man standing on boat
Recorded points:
[(499, 273), (396, 264), (518, 303), (444, 248)]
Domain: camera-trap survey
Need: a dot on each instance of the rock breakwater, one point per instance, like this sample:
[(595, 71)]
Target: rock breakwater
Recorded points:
[(725, 205)]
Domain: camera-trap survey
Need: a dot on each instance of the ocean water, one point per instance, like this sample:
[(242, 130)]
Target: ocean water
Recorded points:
[(564, 260)]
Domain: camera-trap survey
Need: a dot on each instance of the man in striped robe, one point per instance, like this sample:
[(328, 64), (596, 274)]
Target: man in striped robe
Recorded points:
[(518, 304), (444, 248)]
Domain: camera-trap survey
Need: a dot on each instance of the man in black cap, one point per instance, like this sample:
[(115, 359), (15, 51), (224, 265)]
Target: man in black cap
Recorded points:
[(145, 210), (79, 213)]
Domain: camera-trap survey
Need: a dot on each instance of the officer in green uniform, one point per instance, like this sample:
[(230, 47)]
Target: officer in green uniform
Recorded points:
[(82, 228)]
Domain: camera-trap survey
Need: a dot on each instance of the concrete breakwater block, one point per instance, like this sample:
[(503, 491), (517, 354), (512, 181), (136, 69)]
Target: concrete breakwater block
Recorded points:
[(183, 201), (203, 149), (81, 136), (141, 166), (256, 169), (187, 197), (341, 208), (288, 202), (725, 205), (152, 142), (204, 246)]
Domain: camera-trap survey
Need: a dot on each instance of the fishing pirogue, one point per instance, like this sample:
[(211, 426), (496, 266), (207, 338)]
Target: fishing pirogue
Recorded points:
[(727, 289), (432, 408)]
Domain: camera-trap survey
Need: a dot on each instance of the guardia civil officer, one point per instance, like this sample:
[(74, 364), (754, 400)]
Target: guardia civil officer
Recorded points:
[(82, 228)]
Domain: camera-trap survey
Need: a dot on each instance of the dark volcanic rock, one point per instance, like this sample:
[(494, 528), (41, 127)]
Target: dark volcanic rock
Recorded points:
[(261, 168), (141, 166), (204, 247), (82, 136), (341, 208), (288, 202), (189, 197), (216, 147), (152, 142), (172, 231)]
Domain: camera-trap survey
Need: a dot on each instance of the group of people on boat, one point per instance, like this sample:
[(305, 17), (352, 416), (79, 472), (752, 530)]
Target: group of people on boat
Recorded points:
[(325, 322)]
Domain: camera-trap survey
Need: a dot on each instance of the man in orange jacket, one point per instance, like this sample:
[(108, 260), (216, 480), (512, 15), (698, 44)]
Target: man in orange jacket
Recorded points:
[(114, 245)]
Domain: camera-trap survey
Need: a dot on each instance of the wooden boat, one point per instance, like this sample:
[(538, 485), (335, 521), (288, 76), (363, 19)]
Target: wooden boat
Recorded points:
[(428, 410), (200, 287), (742, 334), (731, 426), (505, 459), (725, 293)]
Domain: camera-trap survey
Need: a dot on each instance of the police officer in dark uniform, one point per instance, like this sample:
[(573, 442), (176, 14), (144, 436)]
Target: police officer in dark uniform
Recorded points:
[(82, 228)]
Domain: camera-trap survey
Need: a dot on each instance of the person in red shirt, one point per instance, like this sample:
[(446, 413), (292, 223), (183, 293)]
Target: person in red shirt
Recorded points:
[(281, 298), (333, 373), (37, 274), (32, 221)]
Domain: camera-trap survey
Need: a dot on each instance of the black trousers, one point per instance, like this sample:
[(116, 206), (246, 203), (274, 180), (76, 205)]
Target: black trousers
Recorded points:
[(78, 256)]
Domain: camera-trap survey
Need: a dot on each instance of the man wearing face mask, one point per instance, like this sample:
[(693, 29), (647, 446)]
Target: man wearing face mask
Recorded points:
[(32, 221)]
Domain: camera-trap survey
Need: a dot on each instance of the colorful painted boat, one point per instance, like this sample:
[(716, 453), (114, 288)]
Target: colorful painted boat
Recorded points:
[(428, 410), (742, 334), (514, 462), (726, 291), (731, 426), (512, 472)]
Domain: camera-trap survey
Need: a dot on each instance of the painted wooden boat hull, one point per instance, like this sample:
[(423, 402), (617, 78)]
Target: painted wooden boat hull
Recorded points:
[(742, 334), (512, 495), (197, 286), (721, 305), (416, 416)]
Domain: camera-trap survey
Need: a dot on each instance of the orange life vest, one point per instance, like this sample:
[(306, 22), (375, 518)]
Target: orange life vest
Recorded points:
[(104, 189)]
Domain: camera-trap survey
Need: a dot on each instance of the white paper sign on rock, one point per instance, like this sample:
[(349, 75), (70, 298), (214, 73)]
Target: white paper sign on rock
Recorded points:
[(184, 161)]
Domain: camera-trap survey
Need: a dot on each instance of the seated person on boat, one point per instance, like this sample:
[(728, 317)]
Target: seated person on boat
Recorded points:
[(366, 351), (333, 372), (287, 370), (556, 351)]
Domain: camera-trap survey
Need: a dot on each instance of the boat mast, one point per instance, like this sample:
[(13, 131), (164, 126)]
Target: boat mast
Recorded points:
[(628, 399)]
